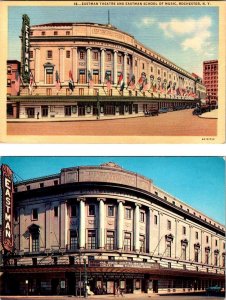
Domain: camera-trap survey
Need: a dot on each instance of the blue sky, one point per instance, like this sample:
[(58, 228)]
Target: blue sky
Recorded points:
[(185, 35), (197, 181)]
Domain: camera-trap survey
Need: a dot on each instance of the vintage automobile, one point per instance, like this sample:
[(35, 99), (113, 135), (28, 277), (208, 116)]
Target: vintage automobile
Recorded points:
[(213, 290), (163, 110)]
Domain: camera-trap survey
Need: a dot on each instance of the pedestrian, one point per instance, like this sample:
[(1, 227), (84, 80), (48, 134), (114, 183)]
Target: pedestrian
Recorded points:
[(38, 115), (121, 293)]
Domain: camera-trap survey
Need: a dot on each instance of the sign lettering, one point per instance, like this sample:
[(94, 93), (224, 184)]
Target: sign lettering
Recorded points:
[(7, 208), (25, 48)]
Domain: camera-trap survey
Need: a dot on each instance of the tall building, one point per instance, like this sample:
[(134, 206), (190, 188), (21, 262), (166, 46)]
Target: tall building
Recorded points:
[(210, 79), (88, 69), (109, 228), (13, 85)]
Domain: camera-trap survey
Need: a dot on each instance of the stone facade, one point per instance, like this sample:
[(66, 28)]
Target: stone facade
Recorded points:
[(113, 218)]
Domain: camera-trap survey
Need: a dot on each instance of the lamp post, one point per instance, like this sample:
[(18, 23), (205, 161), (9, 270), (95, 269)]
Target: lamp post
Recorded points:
[(85, 279), (98, 106)]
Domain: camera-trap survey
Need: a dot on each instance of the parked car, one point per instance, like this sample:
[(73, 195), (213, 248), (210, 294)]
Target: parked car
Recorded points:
[(213, 290), (151, 112), (163, 110)]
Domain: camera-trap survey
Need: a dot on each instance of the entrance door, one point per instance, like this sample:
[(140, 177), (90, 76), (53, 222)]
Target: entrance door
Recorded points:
[(121, 109), (71, 283), (155, 286), (109, 110), (81, 109), (30, 112), (55, 288), (130, 109), (110, 287), (45, 111), (129, 286)]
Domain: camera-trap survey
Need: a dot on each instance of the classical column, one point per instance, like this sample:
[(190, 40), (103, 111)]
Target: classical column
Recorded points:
[(88, 62), (120, 223), (149, 237), (47, 226), (22, 229), (82, 224), (101, 223), (125, 69), (63, 226), (115, 67), (102, 65), (37, 65), (61, 64), (136, 231), (75, 63)]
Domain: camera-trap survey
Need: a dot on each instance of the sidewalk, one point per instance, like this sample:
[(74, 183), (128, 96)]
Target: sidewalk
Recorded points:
[(213, 114), (70, 119)]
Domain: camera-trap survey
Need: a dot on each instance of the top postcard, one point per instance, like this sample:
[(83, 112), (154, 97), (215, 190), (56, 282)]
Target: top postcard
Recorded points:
[(113, 72)]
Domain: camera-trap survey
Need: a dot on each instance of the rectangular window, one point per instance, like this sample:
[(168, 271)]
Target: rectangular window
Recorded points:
[(110, 240), (142, 243), (82, 55), (108, 56), (43, 33), (168, 249), (34, 214), (9, 70), (128, 213), (82, 76), (196, 235), (155, 220), (196, 255), (216, 260), (215, 242), (8, 82), (81, 92), (67, 110), (31, 54), (73, 240), (67, 32), (73, 211), (49, 54), (142, 216), (207, 239), (95, 76), (68, 54), (35, 241), (45, 111), (183, 230), (91, 210), (127, 241), (55, 211), (34, 261), (110, 211), (183, 252), (91, 239), (119, 59), (49, 76), (207, 257), (48, 92), (41, 184), (168, 225), (55, 32), (95, 55)]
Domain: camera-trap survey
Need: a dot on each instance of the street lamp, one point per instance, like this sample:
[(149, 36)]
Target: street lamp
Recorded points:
[(85, 279)]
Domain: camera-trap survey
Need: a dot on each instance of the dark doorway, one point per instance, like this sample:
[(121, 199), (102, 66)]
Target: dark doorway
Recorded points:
[(155, 286), (71, 283), (55, 286), (129, 286)]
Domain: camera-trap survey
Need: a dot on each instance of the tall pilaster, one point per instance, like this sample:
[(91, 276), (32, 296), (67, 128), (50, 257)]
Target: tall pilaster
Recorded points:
[(61, 64), (37, 65), (149, 228), (101, 222), (47, 226), (125, 69), (120, 222), (88, 62), (75, 63), (115, 66), (82, 224), (102, 65), (136, 230), (63, 224)]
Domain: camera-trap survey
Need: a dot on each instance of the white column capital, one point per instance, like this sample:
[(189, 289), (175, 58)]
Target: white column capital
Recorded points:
[(61, 48), (36, 48), (103, 49), (138, 205), (88, 48), (83, 199), (121, 201), (115, 51), (101, 199)]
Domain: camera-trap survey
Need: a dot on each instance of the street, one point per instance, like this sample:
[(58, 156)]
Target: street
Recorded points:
[(111, 297), (177, 123)]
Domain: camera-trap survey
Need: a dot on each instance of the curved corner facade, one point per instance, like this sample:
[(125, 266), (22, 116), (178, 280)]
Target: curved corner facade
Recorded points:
[(97, 60), (106, 227)]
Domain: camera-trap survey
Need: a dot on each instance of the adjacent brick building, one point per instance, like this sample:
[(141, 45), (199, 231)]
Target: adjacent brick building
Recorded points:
[(210, 79)]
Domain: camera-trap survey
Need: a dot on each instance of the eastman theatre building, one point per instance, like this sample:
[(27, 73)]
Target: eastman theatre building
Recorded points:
[(96, 58), (104, 227)]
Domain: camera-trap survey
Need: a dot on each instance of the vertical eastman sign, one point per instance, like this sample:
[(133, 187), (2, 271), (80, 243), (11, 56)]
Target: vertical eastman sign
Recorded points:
[(25, 48), (7, 207)]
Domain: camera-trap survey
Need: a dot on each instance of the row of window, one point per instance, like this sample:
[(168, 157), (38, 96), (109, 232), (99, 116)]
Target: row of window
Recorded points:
[(127, 245), (43, 33)]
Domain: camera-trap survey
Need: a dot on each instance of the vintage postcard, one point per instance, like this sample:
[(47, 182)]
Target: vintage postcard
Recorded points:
[(113, 72)]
